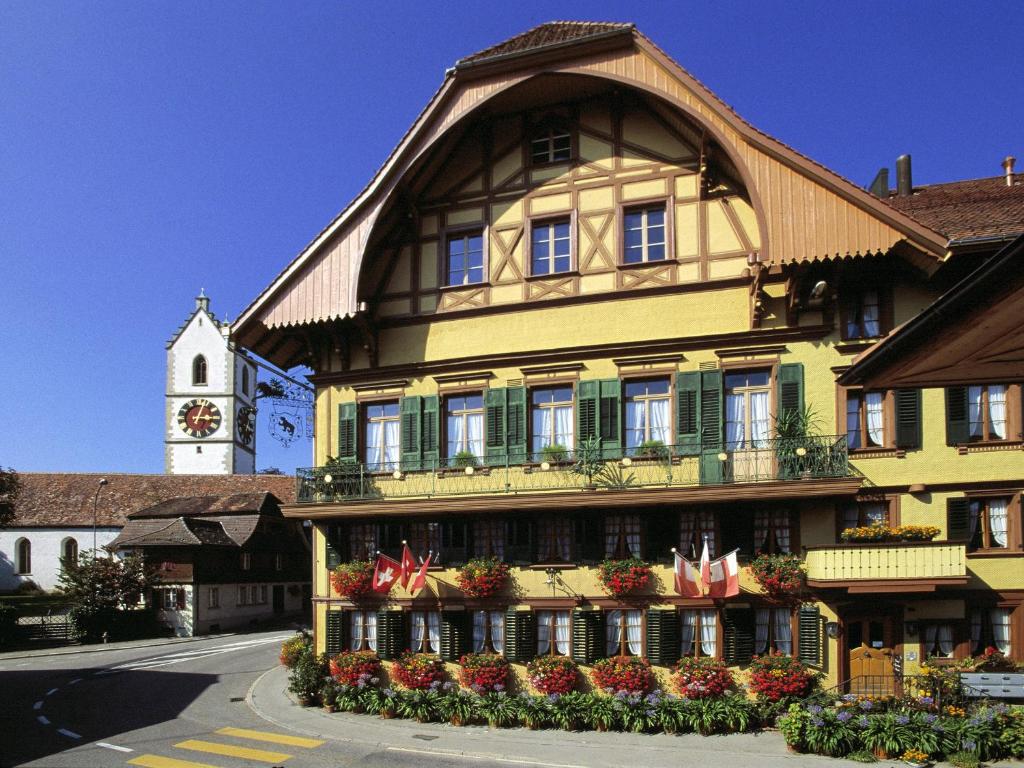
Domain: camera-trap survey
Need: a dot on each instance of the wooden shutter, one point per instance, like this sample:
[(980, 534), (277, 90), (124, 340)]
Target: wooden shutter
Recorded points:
[(791, 390), (711, 469), (957, 418), (958, 519), (411, 410), (456, 634), (495, 401), (587, 636), (663, 638), (335, 642), (738, 635), (520, 635), (431, 431), (587, 395), (516, 426), (610, 409), (390, 634), (908, 418), (348, 449), (809, 648), (688, 413)]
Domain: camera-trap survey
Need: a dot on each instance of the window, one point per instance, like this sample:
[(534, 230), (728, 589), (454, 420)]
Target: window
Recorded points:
[(199, 370), (426, 632), (382, 436), (550, 247), (938, 641), (699, 633), (213, 597), (263, 594), (362, 630), (863, 514), (169, 599), (245, 380), (991, 628), (551, 421), (69, 551), (23, 557), (694, 527), (488, 632), (425, 538), (243, 595), (465, 265), (621, 536), (862, 312), (553, 633), (554, 539), (253, 599), (550, 146), (622, 633), (986, 408), (865, 420), (747, 415), (247, 561), (648, 419), (464, 429), (279, 562), (771, 531), (644, 230), (489, 538), (989, 522), (362, 541), (773, 631)]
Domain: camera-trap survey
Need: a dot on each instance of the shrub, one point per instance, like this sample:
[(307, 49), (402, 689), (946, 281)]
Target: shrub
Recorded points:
[(554, 453), (420, 704), (979, 732), (464, 459), (458, 707), (484, 672), (702, 677), (355, 668), (353, 580), (552, 674), (793, 727), (533, 711), (621, 577), (963, 759), (600, 712), (777, 677), (832, 732), (569, 711), (293, 648), (1011, 740), (780, 576), (637, 712), (629, 674), (380, 701), (723, 714), (889, 733), (483, 577), (498, 709), (418, 671), (307, 677)]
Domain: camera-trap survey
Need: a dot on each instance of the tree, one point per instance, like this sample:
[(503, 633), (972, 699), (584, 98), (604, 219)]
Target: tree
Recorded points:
[(101, 589), (10, 488)]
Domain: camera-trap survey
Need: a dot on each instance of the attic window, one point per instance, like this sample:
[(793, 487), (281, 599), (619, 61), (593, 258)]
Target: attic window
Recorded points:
[(552, 145)]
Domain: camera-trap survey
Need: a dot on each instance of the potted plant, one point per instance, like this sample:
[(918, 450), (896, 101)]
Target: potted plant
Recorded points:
[(354, 579), (862, 534), (457, 706), (915, 532), (464, 459), (589, 462), (329, 695), (556, 453), (381, 702), (915, 758), (355, 667), (702, 678), (780, 576), (307, 677), (483, 577), (623, 674), (552, 674), (533, 711), (623, 577), (418, 671), (483, 672), (293, 648), (652, 449), (601, 712)]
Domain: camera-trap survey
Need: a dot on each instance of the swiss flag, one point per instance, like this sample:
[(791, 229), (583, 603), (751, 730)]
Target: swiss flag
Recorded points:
[(385, 574), (408, 565), (705, 565), (421, 578), (725, 577), (687, 577)]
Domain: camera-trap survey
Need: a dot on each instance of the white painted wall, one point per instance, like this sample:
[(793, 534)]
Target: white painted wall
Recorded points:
[(46, 552), (198, 617)]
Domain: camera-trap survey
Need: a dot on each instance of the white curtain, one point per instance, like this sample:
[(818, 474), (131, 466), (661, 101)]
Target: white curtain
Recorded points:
[(661, 421), (613, 632), (563, 536), (475, 422), (498, 631), (761, 530), (876, 430), (870, 306), (631, 526), (735, 410), (564, 426), (780, 524), (783, 632), (946, 640), (612, 530), (687, 533), (1001, 629), (974, 411), (997, 521), (370, 619), (687, 632), (479, 628), (760, 421), (543, 632), (434, 630), (374, 438), (997, 410), (391, 444), (761, 630), (355, 618), (562, 633), (419, 628), (976, 618), (636, 421), (709, 633), (456, 435), (633, 626)]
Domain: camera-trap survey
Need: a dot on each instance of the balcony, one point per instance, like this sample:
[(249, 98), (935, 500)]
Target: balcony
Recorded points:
[(787, 461), (909, 566)]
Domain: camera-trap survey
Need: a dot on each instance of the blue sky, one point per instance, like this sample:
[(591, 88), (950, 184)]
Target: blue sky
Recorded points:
[(148, 150)]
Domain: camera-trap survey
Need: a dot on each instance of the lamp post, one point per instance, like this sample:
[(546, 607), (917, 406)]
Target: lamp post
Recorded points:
[(95, 501)]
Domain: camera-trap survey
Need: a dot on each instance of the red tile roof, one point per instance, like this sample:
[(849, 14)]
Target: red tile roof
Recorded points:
[(62, 500), (967, 209), (547, 34)]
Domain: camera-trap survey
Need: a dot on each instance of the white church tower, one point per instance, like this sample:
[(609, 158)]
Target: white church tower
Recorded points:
[(210, 428)]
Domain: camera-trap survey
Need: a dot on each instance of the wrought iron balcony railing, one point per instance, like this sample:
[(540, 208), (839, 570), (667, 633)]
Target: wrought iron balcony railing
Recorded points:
[(557, 469)]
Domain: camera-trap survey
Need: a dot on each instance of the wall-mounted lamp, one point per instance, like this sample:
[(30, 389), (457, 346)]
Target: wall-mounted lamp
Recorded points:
[(832, 629)]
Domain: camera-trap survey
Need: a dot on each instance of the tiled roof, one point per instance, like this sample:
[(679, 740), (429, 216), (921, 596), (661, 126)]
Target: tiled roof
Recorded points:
[(547, 34), (63, 500), (198, 506), (173, 533), (965, 209)]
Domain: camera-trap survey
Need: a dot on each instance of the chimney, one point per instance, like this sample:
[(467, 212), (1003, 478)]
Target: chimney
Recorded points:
[(203, 301), (880, 186), (1008, 169), (904, 183)]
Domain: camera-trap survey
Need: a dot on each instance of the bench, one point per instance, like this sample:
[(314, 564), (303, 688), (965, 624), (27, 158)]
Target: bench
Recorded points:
[(993, 685)]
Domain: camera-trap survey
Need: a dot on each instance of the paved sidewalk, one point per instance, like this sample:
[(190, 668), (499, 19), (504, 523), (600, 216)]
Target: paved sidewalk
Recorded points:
[(269, 698)]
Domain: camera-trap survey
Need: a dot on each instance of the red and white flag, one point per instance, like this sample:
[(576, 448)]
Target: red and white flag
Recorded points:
[(687, 577), (421, 578), (705, 565), (725, 576), (408, 565), (385, 574)]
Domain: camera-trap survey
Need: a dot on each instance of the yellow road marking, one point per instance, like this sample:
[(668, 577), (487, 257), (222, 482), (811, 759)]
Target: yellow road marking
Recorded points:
[(228, 750), (276, 738), (157, 761)]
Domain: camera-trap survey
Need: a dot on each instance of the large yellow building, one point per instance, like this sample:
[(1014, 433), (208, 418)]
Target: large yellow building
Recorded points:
[(578, 256)]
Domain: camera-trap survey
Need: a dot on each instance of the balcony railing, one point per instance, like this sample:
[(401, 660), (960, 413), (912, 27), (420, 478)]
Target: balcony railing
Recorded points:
[(661, 466), (887, 562)]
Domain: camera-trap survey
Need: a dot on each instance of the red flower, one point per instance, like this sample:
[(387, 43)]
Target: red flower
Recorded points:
[(353, 667), (418, 670), (483, 577), (620, 577), (631, 674), (702, 678), (483, 672), (552, 674), (353, 580), (775, 676)]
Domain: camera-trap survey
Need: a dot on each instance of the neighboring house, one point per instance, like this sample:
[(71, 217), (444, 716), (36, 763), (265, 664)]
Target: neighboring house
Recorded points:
[(54, 514), (223, 562), (578, 245)]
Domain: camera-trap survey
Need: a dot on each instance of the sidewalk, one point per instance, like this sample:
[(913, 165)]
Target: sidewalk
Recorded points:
[(269, 699)]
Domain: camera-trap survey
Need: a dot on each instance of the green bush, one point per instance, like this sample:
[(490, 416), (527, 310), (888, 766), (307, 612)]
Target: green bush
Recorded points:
[(419, 704), (498, 709), (1011, 740), (307, 676), (830, 732), (457, 706), (599, 712)]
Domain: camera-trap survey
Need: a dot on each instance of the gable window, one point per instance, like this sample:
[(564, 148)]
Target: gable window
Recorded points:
[(382, 432), (747, 416), (362, 541), (489, 538), (865, 420), (464, 429), (864, 514), (648, 419), (938, 641), (279, 562), (69, 552), (488, 632), (989, 522), (362, 630), (465, 264), (550, 247), (644, 233), (552, 633), (23, 557), (550, 146), (623, 630), (694, 527), (426, 632), (771, 531), (773, 631), (986, 408), (199, 370), (991, 628), (551, 422), (621, 536), (699, 632), (554, 539), (246, 561)]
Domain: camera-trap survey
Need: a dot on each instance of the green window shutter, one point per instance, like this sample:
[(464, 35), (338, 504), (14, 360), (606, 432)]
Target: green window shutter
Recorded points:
[(431, 432), (958, 519), (348, 449), (738, 636), (957, 419), (587, 395), (610, 410), (520, 635), (517, 432), (688, 413), (908, 418), (663, 638), (495, 401), (411, 409), (587, 636), (455, 634), (390, 634), (333, 632), (809, 648), (791, 391), (711, 469)]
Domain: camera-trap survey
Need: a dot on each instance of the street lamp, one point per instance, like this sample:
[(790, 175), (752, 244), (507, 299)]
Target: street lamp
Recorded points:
[(95, 501)]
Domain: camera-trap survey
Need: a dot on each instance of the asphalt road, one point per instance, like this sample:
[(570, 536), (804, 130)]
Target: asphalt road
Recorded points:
[(174, 706)]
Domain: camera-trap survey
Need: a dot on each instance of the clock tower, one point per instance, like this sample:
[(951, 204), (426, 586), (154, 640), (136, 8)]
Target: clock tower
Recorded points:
[(211, 387)]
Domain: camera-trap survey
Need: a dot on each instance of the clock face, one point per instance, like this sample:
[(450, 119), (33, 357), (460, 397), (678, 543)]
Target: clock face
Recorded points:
[(246, 423), (199, 418)]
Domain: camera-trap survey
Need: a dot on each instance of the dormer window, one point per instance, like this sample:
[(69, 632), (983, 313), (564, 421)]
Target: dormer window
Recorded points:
[(199, 370), (551, 145)]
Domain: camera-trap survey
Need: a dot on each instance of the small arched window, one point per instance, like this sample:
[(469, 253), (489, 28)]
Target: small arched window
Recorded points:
[(69, 551), (199, 370), (245, 380), (23, 556)]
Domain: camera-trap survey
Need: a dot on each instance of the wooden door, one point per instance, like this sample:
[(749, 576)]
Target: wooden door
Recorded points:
[(869, 644)]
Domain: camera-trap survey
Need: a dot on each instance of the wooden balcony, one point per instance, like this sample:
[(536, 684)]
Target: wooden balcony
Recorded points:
[(909, 566)]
